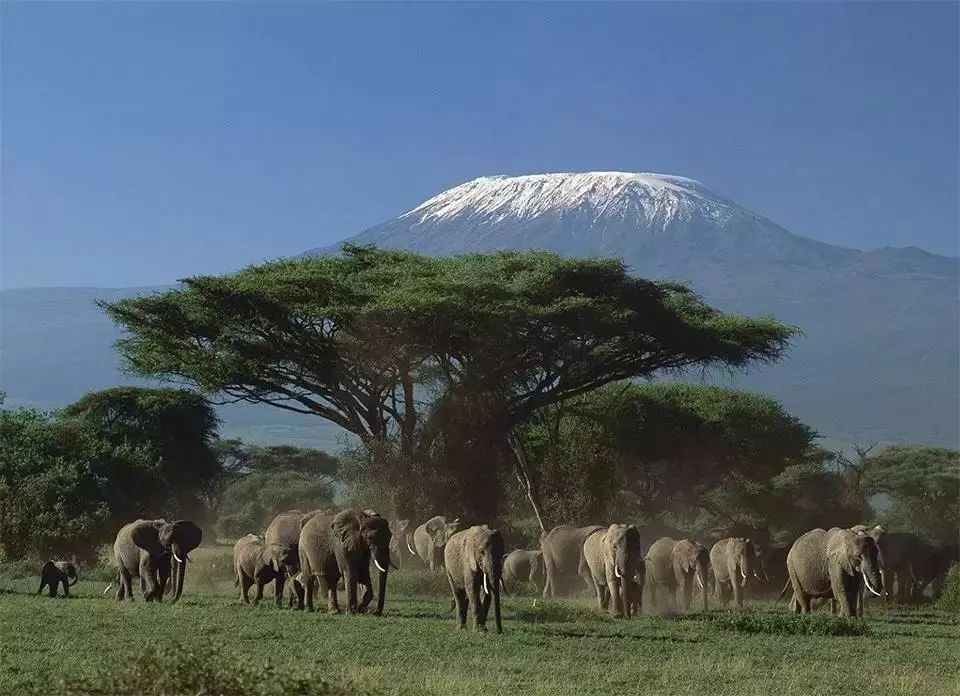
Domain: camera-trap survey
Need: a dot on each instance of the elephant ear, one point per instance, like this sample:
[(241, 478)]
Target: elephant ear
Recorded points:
[(437, 529), (345, 528), (146, 535)]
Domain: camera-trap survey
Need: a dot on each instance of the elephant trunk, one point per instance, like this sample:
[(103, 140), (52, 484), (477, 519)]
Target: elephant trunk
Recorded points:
[(74, 578), (381, 559), (702, 578), (179, 573), (873, 579)]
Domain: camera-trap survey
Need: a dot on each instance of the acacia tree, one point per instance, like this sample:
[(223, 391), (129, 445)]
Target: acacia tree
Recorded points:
[(375, 340)]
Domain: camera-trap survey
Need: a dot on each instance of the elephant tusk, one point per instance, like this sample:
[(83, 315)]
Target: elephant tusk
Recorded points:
[(486, 588), (410, 549), (616, 571), (699, 581), (742, 573), (379, 567), (108, 588), (179, 560), (503, 585), (869, 586)]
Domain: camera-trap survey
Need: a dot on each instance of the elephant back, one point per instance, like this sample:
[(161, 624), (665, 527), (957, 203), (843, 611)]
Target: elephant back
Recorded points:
[(562, 546)]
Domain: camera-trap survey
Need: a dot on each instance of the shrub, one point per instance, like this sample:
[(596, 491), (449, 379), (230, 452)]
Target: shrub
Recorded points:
[(173, 669), (780, 623), (950, 597)]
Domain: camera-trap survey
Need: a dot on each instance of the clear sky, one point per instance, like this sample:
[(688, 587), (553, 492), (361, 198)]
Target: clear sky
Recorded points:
[(146, 142)]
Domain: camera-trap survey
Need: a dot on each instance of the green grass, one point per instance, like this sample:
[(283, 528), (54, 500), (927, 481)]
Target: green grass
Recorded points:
[(90, 644)]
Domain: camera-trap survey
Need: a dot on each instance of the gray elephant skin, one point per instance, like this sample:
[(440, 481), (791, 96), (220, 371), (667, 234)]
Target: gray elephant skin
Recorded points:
[(834, 564), (56, 573), (473, 561), (343, 546), (562, 549), (521, 566), (674, 565), (145, 548), (401, 544), (734, 561), (614, 560), (284, 530), (256, 562), (430, 538)]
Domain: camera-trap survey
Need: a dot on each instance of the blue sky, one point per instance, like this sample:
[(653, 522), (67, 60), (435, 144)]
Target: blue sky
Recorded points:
[(146, 142)]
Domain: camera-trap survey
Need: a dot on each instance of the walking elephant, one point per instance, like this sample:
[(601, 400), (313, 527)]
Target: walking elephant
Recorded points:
[(56, 573), (144, 548), (401, 544), (473, 561), (673, 565), (614, 560), (257, 562), (734, 561), (524, 566), (430, 538), (835, 564), (284, 530), (562, 550), (343, 546)]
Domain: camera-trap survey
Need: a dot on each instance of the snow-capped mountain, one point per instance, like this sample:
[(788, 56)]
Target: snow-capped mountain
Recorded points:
[(879, 355)]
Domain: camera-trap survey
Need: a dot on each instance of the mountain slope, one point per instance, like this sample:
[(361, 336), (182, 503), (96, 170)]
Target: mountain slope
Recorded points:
[(878, 359)]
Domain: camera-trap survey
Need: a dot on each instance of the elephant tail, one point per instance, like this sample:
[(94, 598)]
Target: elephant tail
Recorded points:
[(783, 592)]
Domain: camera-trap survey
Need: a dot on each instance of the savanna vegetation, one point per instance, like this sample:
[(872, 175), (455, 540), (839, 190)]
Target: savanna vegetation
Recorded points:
[(523, 390)]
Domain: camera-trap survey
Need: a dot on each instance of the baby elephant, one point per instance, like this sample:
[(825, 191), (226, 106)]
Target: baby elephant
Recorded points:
[(55, 572), (256, 562)]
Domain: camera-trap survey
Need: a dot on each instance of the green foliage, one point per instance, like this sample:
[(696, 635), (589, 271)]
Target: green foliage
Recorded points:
[(250, 502), (950, 597), (175, 669), (924, 486), (361, 339), (68, 480), (667, 449), (779, 623)]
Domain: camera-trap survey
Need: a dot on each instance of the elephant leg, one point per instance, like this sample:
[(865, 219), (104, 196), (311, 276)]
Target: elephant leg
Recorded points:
[(460, 597), (297, 595), (259, 594), (612, 595), (549, 571), (333, 602), (278, 585), (308, 591), (245, 584), (126, 585), (367, 597), (66, 586), (840, 591), (350, 585), (601, 600), (737, 592), (484, 609), (43, 583)]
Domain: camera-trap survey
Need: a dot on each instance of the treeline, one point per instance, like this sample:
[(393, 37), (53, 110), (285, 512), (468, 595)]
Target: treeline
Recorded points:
[(508, 387)]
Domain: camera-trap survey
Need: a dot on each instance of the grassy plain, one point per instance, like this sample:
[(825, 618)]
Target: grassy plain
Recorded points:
[(560, 647)]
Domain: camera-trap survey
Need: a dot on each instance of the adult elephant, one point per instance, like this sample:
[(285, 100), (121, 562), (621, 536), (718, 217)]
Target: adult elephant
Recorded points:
[(256, 562), (524, 566), (56, 573), (734, 561), (343, 546), (673, 565), (473, 560), (401, 544), (284, 530), (834, 563), (562, 549), (614, 560), (144, 548), (430, 538)]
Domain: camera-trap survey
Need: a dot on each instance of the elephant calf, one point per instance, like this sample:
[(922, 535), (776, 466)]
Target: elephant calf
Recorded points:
[(259, 563), (55, 573), (473, 560), (524, 566)]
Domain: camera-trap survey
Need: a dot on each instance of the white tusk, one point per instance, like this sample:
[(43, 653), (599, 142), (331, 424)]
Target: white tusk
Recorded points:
[(699, 581), (411, 550), (379, 567), (486, 588), (869, 586), (616, 571), (108, 588), (179, 560), (742, 573)]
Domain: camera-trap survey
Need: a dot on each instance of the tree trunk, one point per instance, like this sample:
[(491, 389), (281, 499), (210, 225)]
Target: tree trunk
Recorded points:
[(522, 468)]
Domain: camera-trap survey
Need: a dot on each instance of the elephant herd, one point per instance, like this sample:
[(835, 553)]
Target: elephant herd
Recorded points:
[(323, 552)]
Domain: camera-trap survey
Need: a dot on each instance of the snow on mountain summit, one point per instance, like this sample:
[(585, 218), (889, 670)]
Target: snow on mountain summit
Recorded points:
[(647, 197)]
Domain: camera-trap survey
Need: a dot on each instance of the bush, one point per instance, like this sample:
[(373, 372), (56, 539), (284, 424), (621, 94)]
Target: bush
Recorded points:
[(780, 623), (950, 597), (175, 670)]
